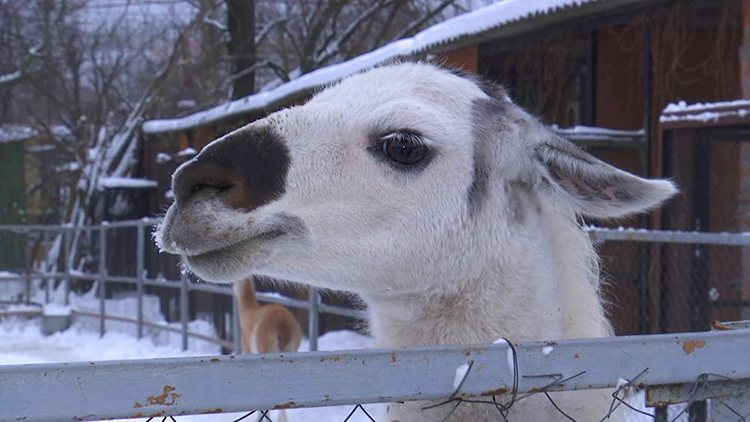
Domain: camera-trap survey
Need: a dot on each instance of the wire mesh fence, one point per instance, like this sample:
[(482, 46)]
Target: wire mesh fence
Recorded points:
[(668, 282)]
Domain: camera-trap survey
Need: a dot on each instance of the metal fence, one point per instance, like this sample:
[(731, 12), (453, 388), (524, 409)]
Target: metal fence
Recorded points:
[(667, 282), (96, 259), (658, 282), (673, 368)]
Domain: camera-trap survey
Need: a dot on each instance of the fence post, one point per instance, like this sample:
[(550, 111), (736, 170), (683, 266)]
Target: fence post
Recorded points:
[(27, 267), (236, 330), (139, 258), (314, 318), (46, 279), (67, 235), (184, 308), (102, 274)]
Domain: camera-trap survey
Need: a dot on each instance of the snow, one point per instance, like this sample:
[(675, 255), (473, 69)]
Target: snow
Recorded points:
[(15, 133), (10, 77), (682, 106), (704, 112), (469, 24), (187, 104), (53, 309), (187, 152), (11, 132), (461, 373), (598, 133), (163, 157), (546, 350), (126, 183)]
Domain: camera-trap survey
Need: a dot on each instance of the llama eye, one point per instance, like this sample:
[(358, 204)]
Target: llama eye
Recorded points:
[(404, 148)]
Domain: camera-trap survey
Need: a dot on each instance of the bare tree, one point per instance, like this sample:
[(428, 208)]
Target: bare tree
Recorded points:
[(308, 34)]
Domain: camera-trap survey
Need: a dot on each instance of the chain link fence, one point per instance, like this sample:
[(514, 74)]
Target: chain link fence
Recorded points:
[(670, 282)]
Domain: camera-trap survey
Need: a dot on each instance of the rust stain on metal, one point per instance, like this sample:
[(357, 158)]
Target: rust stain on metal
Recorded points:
[(718, 326), (468, 352), (576, 356), (335, 358), (290, 405), (322, 360), (217, 410), (690, 346), (215, 360), (166, 398), (137, 405), (393, 357), (495, 392)]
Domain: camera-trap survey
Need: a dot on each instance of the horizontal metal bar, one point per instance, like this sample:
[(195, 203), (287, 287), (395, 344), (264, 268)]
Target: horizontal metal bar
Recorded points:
[(601, 235), (136, 388), (206, 287), (25, 228), (222, 343)]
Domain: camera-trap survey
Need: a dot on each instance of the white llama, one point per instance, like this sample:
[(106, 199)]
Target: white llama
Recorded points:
[(447, 208)]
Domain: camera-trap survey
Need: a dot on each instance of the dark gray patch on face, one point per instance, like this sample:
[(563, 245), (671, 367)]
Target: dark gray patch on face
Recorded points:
[(492, 89), (484, 114), (246, 169), (488, 120)]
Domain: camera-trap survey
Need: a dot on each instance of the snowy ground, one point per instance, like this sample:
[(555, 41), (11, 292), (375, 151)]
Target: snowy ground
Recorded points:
[(21, 342)]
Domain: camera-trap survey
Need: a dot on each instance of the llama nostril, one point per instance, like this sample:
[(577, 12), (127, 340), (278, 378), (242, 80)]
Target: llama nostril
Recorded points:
[(217, 188)]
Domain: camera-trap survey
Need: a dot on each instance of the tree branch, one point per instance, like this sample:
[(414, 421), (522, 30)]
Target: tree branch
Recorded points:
[(16, 76), (426, 18), (263, 32)]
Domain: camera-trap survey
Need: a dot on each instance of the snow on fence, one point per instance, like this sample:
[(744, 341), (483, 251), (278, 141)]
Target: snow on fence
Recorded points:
[(672, 367)]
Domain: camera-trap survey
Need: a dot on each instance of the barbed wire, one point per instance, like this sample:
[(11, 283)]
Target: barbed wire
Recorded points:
[(626, 388)]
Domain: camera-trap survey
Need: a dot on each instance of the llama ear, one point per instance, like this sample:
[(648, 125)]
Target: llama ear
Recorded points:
[(593, 187)]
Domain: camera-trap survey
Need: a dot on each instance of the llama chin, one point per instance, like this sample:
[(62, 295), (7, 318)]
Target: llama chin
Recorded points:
[(450, 210)]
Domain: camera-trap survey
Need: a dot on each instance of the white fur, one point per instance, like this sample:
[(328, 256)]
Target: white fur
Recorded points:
[(431, 269)]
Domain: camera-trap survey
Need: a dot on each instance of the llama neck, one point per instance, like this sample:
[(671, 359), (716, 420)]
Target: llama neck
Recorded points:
[(245, 292), (485, 310), (538, 288)]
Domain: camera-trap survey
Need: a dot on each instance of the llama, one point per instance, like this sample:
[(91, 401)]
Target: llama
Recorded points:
[(267, 328), (449, 210)]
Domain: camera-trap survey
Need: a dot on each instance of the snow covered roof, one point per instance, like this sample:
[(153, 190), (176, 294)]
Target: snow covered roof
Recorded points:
[(15, 133), (683, 115), (12, 132), (126, 183), (588, 134), (502, 19)]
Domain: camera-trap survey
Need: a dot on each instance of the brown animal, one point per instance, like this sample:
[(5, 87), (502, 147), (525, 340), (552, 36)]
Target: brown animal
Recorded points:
[(265, 328)]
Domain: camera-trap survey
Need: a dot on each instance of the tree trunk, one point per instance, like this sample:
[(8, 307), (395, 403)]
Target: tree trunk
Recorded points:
[(241, 45)]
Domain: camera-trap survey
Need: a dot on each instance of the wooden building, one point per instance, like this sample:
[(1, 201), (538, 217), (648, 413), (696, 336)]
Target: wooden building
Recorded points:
[(602, 71)]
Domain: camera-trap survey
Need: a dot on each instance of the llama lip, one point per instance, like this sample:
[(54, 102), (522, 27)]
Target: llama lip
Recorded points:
[(225, 251)]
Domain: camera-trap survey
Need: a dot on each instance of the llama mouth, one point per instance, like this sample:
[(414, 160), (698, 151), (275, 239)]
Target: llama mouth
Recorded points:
[(230, 250)]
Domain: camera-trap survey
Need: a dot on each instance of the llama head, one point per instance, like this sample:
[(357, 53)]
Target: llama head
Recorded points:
[(385, 182)]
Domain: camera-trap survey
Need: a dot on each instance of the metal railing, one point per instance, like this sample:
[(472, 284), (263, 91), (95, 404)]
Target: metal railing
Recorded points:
[(184, 285), (672, 368)]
